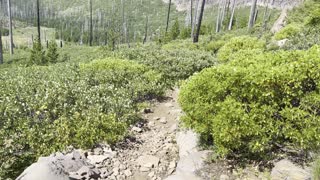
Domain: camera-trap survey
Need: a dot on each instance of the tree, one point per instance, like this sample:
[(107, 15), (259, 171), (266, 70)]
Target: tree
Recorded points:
[(175, 30), (195, 19), (146, 30), (232, 15), (1, 50), (37, 54), (91, 25), (168, 16), (52, 52), (196, 37), (252, 14), (38, 22), (10, 26)]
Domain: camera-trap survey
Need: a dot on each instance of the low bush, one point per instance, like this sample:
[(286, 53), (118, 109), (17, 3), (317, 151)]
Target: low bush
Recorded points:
[(239, 43), (257, 102), (288, 31), (214, 46), (45, 109)]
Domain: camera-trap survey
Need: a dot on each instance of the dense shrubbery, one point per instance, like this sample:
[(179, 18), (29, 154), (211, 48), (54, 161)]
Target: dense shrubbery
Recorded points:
[(45, 109), (173, 64), (257, 102), (288, 32), (239, 43)]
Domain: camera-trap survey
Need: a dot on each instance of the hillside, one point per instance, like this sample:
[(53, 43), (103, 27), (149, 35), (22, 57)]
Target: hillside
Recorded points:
[(117, 92)]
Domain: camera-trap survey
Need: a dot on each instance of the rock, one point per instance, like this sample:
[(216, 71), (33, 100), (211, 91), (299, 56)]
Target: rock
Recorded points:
[(163, 120), (282, 42), (148, 161), (147, 110), (75, 177), (94, 173), (285, 169), (97, 159), (173, 128), (168, 105), (151, 174), (83, 170), (144, 169), (122, 167), (151, 124), (172, 165), (121, 177), (54, 167), (128, 173), (170, 171), (224, 177), (136, 129), (98, 151), (156, 118)]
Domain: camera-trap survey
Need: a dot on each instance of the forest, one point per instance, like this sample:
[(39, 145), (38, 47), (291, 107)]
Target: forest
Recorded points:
[(119, 85)]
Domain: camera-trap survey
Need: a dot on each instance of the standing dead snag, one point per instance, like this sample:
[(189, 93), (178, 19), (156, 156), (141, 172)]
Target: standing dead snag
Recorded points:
[(196, 37)]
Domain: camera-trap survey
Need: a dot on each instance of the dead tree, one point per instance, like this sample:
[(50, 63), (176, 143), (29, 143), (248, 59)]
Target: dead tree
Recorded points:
[(252, 14), (196, 37), (10, 26), (168, 16)]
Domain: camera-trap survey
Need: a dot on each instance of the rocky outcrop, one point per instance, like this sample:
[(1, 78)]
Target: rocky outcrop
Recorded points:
[(285, 169)]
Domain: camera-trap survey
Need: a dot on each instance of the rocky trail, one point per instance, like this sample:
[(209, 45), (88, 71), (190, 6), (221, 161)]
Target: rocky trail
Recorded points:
[(156, 149)]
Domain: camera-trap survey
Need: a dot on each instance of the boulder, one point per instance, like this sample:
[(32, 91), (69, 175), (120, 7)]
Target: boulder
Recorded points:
[(285, 169)]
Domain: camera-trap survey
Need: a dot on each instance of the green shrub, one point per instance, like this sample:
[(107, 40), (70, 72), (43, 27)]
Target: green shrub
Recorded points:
[(37, 56), (175, 30), (257, 102), (316, 169), (52, 52), (239, 43), (175, 65), (214, 46), (288, 31), (45, 109)]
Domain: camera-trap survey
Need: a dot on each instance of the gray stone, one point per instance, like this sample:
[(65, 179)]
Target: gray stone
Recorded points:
[(54, 167), (144, 169), (148, 161), (151, 174), (83, 170), (128, 172), (170, 171), (75, 177), (172, 165), (285, 169), (97, 159), (224, 177), (136, 129), (163, 120)]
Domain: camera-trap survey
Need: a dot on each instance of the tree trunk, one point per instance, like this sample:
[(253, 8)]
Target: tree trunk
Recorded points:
[(232, 15), (196, 37), (91, 24), (1, 50), (146, 30), (10, 26), (191, 12), (38, 21), (195, 19), (168, 16), (252, 14), (218, 17)]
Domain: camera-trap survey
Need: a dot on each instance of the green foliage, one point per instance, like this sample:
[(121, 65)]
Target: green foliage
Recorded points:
[(288, 31), (185, 33), (174, 64), (52, 52), (37, 54), (44, 109), (214, 46), (257, 102), (239, 43), (175, 30), (316, 169)]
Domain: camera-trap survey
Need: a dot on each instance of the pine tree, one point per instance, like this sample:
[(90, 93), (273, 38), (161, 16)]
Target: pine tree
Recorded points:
[(37, 54), (175, 30), (52, 52)]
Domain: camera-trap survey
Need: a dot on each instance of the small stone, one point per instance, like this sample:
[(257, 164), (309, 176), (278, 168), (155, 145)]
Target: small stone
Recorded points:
[(151, 174), (94, 173), (122, 167), (121, 177), (163, 120), (156, 118), (172, 165), (96, 159), (144, 169), (136, 129), (224, 177), (169, 105), (148, 161), (83, 170), (128, 172), (151, 124), (98, 151), (170, 171), (147, 110), (75, 177)]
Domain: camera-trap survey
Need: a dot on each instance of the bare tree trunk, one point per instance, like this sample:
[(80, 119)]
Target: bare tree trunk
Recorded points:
[(196, 37), (218, 17), (252, 14), (146, 30), (168, 16), (38, 21), (265, 16), (191, 12), (195, 19), (91, 24), (232, 15), (1, 50), (10, 26)]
